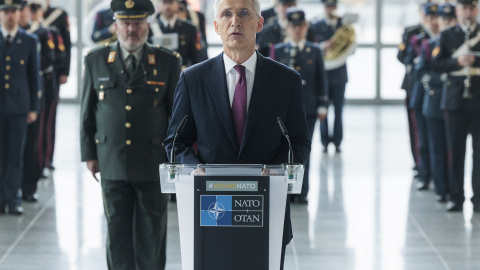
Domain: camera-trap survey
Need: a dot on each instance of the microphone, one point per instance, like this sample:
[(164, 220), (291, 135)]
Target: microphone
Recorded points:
[(178, 132), (284, 130)]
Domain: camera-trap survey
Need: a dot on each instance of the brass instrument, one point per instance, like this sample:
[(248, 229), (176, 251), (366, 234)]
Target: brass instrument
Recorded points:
[(344, 45), (467, 81)]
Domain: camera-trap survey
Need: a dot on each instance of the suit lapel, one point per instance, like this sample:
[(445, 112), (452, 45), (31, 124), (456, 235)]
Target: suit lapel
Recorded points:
[(2, 43), (259, 97), (217, 86), (16, 42)]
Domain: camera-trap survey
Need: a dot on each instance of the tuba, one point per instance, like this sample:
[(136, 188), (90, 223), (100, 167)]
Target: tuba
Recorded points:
[(344, 45)]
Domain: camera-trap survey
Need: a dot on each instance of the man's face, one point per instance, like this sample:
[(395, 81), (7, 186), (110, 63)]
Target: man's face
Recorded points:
[(432, 22), (169, 8), (466, 12), (237, 24), (36, 15), (24, 16), (297, 32), (132, 34), (9, 17)]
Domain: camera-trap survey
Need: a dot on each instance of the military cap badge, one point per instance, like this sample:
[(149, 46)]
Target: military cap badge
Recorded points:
[(129, 4)]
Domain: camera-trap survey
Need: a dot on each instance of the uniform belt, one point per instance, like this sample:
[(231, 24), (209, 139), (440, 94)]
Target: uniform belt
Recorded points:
[(48, 69), (474, 71)]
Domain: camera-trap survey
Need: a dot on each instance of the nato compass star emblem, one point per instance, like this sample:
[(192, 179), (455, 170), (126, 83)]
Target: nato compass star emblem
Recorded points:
[(216, 210)]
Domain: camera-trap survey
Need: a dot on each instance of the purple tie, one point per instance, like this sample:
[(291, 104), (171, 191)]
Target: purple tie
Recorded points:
[(239, 105)]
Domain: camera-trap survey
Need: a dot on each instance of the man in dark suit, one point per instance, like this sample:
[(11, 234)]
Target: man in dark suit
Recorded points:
[(461, 98), (168, 22), (18, 101), (307, 59), (337, 78), (126, 103), (234, 99)]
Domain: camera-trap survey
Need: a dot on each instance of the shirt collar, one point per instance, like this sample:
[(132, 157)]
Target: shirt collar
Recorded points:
[(250, 64), (300, 44), (464, 27), (137, 53), (12, 33), (171, 22)]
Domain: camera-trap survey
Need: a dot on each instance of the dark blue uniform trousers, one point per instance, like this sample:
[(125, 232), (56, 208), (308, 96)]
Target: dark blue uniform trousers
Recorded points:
[(459, 124), (336, 94), (424, 169), (438, 154), (13, 130)]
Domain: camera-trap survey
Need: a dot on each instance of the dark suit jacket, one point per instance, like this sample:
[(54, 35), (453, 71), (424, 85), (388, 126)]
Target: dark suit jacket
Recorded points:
[(19, 69), (117, 107), (202, 94)]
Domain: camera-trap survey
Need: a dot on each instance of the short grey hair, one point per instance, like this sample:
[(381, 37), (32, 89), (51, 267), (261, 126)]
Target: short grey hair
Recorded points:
[(256, 7)]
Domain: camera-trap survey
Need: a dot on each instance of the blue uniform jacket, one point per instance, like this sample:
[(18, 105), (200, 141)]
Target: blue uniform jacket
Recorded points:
[(19, 66), (309, 63), (450, 40), (103, 20), (322, 32)]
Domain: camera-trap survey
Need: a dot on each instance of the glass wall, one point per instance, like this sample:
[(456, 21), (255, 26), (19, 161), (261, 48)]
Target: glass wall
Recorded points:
[(375, 75)]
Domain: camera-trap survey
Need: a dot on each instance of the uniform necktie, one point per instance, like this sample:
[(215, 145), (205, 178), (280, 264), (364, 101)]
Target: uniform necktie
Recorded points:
[(7, 41), (132, 66), (239, 105)]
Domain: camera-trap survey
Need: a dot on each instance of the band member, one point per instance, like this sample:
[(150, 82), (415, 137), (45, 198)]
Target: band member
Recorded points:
[(324, 30), (306, 58), (457, 55)]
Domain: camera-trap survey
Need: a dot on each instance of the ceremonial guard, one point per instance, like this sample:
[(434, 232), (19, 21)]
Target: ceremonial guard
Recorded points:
[(175, 31), (408, 79), (432, 84), (19, 106), (103, 28), (306, 58), (198, 19), (274, 29), (126, 103), (32, 170), (269, 13), (457, 54), (324, 31), (418, 92)]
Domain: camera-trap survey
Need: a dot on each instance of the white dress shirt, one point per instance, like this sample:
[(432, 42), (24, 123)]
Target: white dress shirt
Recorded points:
[(233, 76), (12, 33), (171, 22)]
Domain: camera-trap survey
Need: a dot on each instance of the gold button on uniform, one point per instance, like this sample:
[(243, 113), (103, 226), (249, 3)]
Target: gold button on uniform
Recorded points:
[(97, 141), (431, 92), (128, 125), (22, 62), (7, 67), (129, 91), (7, 77), (7, 86), (101, 86), (128, 142), (156, 90), (8, 58), (128, 107)]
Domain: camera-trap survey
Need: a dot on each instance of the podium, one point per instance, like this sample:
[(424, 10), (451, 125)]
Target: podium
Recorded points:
[(231, 216)]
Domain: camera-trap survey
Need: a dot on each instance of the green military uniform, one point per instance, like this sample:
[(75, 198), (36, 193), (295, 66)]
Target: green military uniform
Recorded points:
[(124, 120)]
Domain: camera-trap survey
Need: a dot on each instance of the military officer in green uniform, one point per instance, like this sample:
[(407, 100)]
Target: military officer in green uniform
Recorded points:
[(126, 103)]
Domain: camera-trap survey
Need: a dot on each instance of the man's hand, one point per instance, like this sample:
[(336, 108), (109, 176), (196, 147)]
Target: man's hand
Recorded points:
[(466, 60), (328, 45), (63, 79), (112, 29), (322, 116), (31, 117), (93, 167)]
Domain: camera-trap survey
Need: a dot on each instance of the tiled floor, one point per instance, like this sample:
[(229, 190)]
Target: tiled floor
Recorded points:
[(364, 212)]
